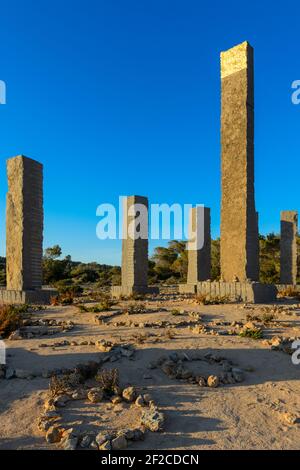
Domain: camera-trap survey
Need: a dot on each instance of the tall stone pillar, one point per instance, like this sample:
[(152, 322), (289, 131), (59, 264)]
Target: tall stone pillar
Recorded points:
[(239, 231), (288, 247), (24, 224), (134, 248), (199, 247), (24, 233)]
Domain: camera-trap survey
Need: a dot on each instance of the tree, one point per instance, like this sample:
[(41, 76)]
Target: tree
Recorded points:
[(170, 261), (53, 253), (53, 269)]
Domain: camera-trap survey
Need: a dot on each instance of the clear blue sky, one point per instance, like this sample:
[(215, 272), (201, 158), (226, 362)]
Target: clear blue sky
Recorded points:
[(120, 97)]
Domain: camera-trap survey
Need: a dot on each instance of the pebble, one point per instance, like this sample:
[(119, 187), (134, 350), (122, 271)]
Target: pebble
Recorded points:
[(289, 418), (54, 434), (70, 443), (95, 395), (201, 381), (86, 442), (140, 401), (129, 394), (105, 446), (153, 420), (119, 443), (238, 375), (213, 381), (101, 438)]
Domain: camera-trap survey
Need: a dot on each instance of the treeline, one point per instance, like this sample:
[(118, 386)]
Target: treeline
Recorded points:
[(167, 265), (170, 264)]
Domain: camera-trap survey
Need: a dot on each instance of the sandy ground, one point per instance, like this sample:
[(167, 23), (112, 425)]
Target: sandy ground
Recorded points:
[(248, 415)]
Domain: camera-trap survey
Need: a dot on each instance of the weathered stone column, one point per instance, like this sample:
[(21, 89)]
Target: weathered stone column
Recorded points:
[(288, 247), (134, 248), (199, 260), (24, 233), (24, 224), (239, 231)]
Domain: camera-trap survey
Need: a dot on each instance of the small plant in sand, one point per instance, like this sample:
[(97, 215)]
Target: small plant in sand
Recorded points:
[(264, 318), (93, 309), (253, 333), (289, 292), (268, 317), (61, 384), (134, 309), (11, 318), (96, 296), (136, 296), (74, 290), (107, 303), (175, 312), (203, 299), (141, 338), (170, 333), (62, 299), (108, 380)]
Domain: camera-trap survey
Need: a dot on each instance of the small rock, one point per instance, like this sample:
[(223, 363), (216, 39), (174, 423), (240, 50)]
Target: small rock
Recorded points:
[(101, 438), (105, 446), (54, 434), (213, 381), (238, 375), (15, 335), (23, 374), (128, 433), (153, 420), (70, 443), (95, 395), (140, 401), (79, 395), (138, 435), (230, 378), (289, 418), (201, 381), (119, 443), (49, 405), (104, 346), (169, 368), (116, 400), (129, 394), (86, 442), (147, 398), (61, 401)]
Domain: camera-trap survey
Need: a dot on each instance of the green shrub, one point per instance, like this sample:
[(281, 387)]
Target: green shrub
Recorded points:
[(253, 333)]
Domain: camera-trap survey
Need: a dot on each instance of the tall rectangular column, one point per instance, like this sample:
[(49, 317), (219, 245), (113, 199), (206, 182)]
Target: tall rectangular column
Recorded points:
[(288, 247), (239, 230), (199, 248), (134, 246), (24, 234), (134, 270), (24, 224)]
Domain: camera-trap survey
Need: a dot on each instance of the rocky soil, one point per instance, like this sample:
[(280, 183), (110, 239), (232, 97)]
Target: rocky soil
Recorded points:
[(219, 376)]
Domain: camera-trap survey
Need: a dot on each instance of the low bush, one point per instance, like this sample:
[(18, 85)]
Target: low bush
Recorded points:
[(108, 380), (11, 318)]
